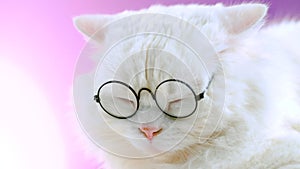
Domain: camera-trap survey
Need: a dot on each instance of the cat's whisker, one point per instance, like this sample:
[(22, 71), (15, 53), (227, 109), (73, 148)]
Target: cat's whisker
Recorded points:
[(225, 147)]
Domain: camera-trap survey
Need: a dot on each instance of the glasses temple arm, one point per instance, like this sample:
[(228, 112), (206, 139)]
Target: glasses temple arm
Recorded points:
[(201, 95), (97, 99)]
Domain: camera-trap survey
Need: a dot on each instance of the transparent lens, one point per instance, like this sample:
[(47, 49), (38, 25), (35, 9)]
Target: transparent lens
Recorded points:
[(176, 98), (118, 100)]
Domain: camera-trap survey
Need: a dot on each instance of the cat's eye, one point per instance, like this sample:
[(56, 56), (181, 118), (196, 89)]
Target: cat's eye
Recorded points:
[(181, 100), (117, 99), (173, 97), (181, 107), (127, 101)]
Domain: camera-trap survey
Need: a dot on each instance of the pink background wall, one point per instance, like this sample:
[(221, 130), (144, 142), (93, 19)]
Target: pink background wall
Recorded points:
[(38, 37)]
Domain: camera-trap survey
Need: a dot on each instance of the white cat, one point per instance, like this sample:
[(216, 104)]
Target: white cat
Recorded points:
[(249, 116)]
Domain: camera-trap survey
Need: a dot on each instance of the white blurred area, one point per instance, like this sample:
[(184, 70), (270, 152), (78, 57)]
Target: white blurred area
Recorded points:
[(29, 133)]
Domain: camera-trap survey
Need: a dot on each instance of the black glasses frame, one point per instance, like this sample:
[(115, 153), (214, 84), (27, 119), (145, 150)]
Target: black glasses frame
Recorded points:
[(137, 96)]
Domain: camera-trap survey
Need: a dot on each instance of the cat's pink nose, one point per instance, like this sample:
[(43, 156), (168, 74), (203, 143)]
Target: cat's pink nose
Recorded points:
[(150, 132)]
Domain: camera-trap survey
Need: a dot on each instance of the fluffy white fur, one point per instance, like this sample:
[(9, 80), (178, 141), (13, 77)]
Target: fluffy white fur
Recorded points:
[(260, 122)]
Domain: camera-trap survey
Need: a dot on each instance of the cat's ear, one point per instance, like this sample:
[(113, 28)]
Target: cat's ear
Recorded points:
[(241, 18), (90, 25)]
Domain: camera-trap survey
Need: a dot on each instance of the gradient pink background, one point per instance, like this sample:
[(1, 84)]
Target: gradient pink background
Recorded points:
[(39, 37)]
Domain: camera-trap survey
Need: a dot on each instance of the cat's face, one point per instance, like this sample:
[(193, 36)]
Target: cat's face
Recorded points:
[(151, 74), (141, 63)]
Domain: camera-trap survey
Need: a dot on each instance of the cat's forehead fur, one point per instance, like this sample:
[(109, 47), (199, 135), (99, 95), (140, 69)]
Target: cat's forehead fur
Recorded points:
[(199, 15), (148, 60), (145, 60), (205, 18)]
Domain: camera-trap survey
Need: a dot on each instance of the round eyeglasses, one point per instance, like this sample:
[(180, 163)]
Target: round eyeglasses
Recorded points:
[(173, 97)]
